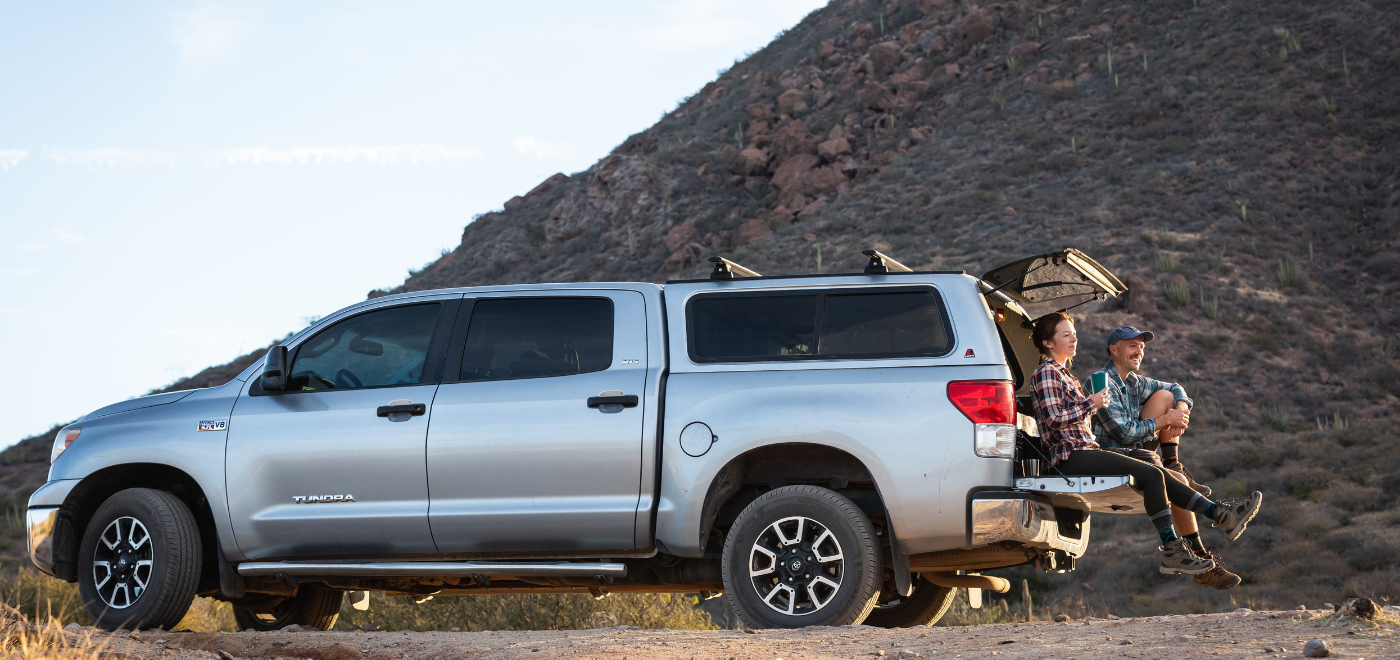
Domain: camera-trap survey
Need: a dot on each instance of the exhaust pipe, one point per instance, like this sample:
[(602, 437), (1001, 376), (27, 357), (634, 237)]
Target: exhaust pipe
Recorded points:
[(997, 584)]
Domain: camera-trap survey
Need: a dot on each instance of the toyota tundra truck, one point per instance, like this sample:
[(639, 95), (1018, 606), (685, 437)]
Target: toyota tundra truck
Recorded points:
[(819, 449)]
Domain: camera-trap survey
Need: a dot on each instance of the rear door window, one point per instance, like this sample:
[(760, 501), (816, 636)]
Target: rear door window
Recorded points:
[(376, 349), (537, 337), (907, 322)]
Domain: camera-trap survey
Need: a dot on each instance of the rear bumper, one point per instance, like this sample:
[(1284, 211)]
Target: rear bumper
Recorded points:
[(1028, 520), (39, 524)]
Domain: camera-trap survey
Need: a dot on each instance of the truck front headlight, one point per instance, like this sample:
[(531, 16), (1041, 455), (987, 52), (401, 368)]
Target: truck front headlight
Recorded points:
[(994, 440)]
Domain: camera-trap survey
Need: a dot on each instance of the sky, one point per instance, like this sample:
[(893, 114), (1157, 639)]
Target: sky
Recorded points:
[(181, 183)]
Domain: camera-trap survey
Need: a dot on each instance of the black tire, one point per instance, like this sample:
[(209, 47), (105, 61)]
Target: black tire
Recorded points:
[(924, 607), (855, 568), (312, 607), (139, 564)]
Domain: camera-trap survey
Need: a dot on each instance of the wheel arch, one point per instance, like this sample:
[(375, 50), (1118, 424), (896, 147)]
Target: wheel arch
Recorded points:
[(765, 468), (89, 494)]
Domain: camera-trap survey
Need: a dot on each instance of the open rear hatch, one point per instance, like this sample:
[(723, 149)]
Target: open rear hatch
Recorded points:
[(1052, 282)]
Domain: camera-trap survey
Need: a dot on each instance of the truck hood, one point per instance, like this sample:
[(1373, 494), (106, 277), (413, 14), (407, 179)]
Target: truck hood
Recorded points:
[(1055, 281), (137, 403)]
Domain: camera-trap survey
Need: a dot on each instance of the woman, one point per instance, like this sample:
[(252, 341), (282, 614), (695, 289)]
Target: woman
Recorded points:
[(1062, 413)]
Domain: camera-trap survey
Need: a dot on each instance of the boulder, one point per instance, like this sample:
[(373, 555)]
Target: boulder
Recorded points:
[(754, 161), (823, 179), (513, 202), (760, 112), (718, 93), (730, 156), (752, 230), (1024, 49), (952, 70), (789, 101), (884, 57), (976, 28), (793, 139), (759, 82), (928, 7), (833, 149), (937, 45), (789, 176), (681, 234), (864, 30), (910, 33), (547, 184), (1317, 648), (875, 96), (826, 48), (1142, 299), (1061, 85)]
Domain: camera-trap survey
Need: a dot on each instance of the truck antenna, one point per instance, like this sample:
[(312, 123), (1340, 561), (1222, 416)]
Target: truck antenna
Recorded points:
[(728, 270), (880, 264)]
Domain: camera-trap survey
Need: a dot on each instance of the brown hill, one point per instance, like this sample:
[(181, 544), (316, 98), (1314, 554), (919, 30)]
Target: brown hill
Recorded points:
[(1234, 161)]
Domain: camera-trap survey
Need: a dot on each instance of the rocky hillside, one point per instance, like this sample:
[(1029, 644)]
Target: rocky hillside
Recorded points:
[(1234, 161)]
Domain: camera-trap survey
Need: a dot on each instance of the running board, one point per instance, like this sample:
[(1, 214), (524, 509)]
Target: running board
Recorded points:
[(431, 569)]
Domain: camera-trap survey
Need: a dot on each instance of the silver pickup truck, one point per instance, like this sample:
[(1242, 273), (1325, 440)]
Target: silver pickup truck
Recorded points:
[(820, 449)]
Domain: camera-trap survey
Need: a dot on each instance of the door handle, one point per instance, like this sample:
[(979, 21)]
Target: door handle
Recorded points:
[(624, 400), (414, 409)]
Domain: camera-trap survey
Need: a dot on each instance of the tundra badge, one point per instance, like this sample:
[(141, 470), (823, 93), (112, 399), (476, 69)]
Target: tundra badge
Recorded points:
[(214, 425), (319, 499)]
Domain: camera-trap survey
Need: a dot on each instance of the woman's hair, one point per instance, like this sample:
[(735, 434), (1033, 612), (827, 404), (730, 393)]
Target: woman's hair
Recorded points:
[(1045, 329)]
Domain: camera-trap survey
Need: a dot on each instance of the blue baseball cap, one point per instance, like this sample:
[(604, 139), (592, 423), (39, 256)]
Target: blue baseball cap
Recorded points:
[(1129, 332)]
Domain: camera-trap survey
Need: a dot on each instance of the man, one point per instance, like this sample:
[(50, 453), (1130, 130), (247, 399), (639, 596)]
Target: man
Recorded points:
[(1143, 415)]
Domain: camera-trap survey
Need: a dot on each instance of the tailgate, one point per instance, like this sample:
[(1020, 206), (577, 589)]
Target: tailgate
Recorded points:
[(1098, 494)]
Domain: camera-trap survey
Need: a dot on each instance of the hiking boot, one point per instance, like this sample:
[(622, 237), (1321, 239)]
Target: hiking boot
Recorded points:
[(1178, 557), (1217, 577), (1233, 514), (1176, 466)]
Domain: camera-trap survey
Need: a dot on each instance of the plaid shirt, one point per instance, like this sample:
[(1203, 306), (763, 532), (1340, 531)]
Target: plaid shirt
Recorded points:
[(1118, 425), (1061, 411)]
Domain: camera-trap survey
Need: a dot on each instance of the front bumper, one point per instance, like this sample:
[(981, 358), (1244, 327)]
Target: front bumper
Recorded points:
[(1028, 520), (39, 524)]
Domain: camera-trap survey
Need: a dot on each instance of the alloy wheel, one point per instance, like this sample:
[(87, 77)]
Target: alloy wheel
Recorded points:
[(796, 566), (122, 563)]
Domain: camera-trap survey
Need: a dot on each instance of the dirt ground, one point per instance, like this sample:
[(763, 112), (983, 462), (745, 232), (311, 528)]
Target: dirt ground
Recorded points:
[(1242, 634)]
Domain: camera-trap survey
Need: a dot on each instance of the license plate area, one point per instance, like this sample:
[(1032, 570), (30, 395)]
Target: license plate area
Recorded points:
[(1094, 493)]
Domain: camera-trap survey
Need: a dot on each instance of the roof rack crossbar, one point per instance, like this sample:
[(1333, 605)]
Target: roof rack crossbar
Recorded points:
[(880, 264), (728, 270)]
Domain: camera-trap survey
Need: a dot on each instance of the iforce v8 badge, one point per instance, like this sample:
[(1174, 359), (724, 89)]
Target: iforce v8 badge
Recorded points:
[(214, 425)]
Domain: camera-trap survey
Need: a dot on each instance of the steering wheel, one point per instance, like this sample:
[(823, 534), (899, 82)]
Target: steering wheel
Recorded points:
[(346, 380)]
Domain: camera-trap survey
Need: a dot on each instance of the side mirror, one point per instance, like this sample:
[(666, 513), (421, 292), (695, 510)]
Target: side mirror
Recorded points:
[(274, 375)]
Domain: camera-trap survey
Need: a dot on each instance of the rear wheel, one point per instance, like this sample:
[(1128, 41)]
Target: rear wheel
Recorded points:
[(139, 563), (312, 607), (924, 607), (801, 556)]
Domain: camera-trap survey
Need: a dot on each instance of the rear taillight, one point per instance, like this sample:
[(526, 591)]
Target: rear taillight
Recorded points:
[(991, 405), (64, 439)]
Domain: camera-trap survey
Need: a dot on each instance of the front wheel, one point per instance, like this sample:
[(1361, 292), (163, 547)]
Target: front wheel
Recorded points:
[(924, 607), (802, 556), (139, 563), (312, 607)]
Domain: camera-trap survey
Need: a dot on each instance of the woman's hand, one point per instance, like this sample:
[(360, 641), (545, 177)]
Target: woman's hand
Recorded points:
[(1100, 399)]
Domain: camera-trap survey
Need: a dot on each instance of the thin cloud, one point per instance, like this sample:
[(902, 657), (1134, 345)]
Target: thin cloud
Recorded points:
[(427, 155), (699, 24), (62, 234), (109, 158), (11, 158), (543, 150), (207, 34)]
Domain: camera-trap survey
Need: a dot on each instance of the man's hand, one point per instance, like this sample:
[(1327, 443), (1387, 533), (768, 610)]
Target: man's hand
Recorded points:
[(1175, 418), (1100, 399)]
